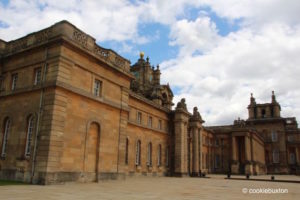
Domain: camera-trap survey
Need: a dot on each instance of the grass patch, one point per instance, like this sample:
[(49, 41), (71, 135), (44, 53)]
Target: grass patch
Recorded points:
[(5, 182)]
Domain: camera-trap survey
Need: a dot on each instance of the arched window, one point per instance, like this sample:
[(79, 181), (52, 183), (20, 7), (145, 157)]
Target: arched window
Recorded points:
[(149, 156), (138, 153), (159, 155), (6, 129), (126, 151), (30, 126)]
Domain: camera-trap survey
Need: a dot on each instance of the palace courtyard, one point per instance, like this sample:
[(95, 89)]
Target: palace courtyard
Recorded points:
[(215, 187)]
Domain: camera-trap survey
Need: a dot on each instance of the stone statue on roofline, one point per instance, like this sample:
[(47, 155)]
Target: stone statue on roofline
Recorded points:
[(196, 114), (181, 104)]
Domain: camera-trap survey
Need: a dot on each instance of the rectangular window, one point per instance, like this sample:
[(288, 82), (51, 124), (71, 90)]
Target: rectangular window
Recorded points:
[(29, 136), (138, 153), (97, 88), (275, 156), (159, 124), (139, 117), (37, 76), (5, 137), (14, 79), (150, 121), (149, 157), (274, 136), (292, 158), (159, 156)]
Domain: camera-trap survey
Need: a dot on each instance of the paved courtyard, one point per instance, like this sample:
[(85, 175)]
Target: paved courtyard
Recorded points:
[(145, 188)]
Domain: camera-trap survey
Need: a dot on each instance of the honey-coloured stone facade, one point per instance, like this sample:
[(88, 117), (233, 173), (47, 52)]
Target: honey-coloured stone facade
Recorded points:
[(71, 110)]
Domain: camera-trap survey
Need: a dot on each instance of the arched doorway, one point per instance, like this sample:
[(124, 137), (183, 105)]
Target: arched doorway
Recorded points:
[(92, 151)]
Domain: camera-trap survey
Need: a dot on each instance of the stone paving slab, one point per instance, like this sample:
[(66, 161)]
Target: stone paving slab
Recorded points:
[(146, 188)]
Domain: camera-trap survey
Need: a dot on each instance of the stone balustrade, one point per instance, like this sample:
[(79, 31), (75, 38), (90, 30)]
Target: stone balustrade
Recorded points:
[(70, 33)]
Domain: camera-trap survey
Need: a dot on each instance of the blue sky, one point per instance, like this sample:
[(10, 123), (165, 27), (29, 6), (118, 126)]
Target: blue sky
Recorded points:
[(214, 53)]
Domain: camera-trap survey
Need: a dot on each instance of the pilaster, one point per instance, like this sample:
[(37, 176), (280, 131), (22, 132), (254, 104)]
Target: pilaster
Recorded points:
[(181, 147)]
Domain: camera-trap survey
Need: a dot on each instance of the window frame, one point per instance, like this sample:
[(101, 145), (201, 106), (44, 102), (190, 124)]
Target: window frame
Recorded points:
[(150, 121), (29, 135), (274, 136), (138, 153), (149, 154), (97, 89), (139, 117), (14, 79), (292, 158), (37, 76), (6, 131), (276, 156), (159, 155), (159, 125)]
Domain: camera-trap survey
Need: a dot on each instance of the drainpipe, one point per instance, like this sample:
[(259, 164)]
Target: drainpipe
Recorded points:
[(39, 117)]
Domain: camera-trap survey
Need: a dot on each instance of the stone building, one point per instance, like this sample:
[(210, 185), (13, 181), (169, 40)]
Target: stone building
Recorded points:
[(264, 143), (71, 110)]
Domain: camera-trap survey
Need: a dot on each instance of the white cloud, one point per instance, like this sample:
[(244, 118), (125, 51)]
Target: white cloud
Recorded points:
[(257, 12), (221, 80), (216, 73), (106, 20), (199, 35)]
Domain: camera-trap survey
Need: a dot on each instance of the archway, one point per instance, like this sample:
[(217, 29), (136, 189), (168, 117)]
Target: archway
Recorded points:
[(92, 151)]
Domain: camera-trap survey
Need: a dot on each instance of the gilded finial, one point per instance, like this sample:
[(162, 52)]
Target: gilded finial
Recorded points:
[(142, 55)]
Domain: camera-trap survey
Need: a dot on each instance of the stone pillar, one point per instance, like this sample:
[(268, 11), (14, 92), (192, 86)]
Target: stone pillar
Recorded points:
[(200, 149), (181, 147), (122, 168), (195, 125), (234, 162), (248, 147)]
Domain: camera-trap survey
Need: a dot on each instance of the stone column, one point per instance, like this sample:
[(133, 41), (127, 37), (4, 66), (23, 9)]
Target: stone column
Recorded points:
[(181, 148), (195, 124), (248, 147), (200, 150), (234, 162)]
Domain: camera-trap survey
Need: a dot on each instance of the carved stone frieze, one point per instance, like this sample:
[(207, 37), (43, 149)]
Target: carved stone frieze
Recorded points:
[(80, 37)]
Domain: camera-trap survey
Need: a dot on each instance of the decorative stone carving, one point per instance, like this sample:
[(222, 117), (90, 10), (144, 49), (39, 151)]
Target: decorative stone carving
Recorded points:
[(18, 44), (239, 123), (181, 104), (196, 114), (100, 52), (43, 35), (119, 61), (80, 37)]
